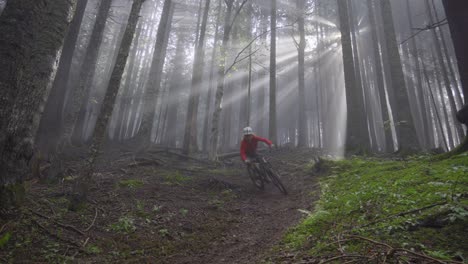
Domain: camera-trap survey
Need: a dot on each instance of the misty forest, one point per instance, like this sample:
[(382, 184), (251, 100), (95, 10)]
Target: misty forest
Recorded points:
[(129, 131)]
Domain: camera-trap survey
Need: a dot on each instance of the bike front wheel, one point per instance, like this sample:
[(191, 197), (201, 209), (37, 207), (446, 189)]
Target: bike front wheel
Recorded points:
[(275, 179), (256, 178)]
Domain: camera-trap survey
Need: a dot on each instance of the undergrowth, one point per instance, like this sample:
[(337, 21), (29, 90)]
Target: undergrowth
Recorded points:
[(375, 209)]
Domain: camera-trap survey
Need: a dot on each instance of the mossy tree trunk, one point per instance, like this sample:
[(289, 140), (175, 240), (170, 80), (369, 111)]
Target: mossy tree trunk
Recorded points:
[(32, 35)]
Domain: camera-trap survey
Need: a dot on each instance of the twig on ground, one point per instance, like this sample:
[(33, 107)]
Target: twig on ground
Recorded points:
[(94, 220), (50, 206), (393, 250), (3, 227), (86, 242), (372, 241), (69, 227), (343, 256), (96, 203), (402, 214), (66, 251), (53, 234), (425, 256)]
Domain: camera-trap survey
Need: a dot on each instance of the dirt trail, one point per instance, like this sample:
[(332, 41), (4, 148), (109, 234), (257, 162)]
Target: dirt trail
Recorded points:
[(261, 218), (160, 209)]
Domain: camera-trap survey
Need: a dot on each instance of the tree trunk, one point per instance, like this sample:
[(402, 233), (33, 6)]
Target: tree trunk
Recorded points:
[(51, 123), (87, 70), (153, 84), (380, 78), (443, 105), (406, 132), (302, 126), (190, 135), (445, 73), (220, 85), (174, 92), (210, 82), (130, 77), (419, 89), (356, 134), (272, 114), (30, 44), (456, 15), (81, 187)]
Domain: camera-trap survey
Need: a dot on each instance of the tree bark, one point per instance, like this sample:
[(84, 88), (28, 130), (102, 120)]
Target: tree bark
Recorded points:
[(87, 71), (30, 45), (153, 84), (220, 85), (205, 142), (50, 127), (356, 134), (191, 134), (174, 92), (272, 128), (81, 187), (445, 73), (406, 133), (380, 78), (302, 126)]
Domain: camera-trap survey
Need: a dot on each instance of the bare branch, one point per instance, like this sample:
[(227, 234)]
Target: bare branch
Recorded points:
[(237, 61), (428, 27), (254, 39), (237, 13)]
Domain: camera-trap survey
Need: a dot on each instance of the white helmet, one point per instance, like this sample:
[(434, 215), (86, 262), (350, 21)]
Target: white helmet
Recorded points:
[(247, 131)]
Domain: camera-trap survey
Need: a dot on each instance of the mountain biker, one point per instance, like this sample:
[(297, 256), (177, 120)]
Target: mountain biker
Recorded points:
[(248, 150)]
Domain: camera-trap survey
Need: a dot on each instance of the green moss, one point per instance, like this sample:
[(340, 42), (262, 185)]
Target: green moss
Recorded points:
[(223, 171), (131, 183), (377, 199)]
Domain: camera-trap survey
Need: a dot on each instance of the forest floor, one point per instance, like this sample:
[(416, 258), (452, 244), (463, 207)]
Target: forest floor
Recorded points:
[(160, 208)]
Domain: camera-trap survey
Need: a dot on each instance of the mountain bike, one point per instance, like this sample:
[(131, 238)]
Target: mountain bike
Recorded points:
[(261, 171)]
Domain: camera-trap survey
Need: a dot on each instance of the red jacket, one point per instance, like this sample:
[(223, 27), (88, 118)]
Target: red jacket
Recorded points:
[(250, 148)]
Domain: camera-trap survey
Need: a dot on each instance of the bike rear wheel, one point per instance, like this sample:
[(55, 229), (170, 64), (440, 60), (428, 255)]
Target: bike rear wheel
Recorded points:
[(256, 178), (275, 179)]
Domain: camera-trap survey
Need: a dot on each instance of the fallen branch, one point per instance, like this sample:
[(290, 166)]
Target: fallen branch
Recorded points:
[(425, 256), (94, 220), (403, 214), (69, 227), (370, 240)]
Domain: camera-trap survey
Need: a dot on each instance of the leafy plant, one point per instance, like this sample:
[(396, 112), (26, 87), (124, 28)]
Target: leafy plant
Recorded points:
[(156, 208), (4, 239), (93, 249), (124, 225), (175, 178), (183, 211)]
